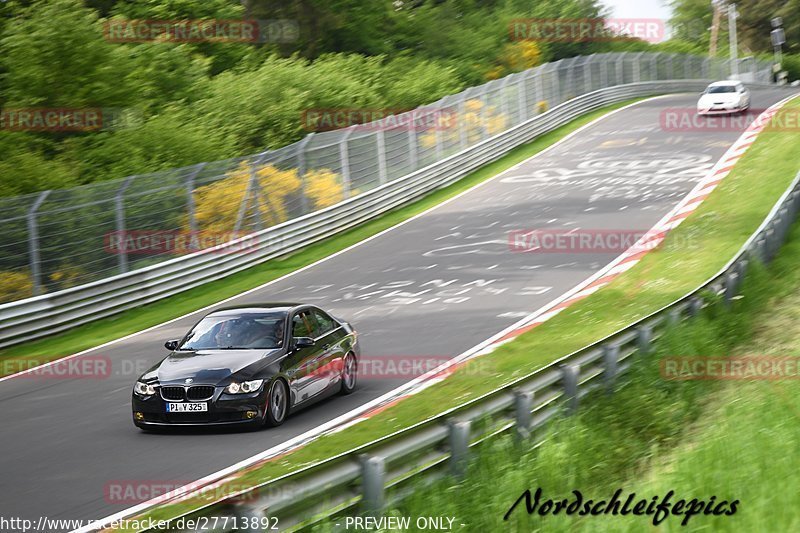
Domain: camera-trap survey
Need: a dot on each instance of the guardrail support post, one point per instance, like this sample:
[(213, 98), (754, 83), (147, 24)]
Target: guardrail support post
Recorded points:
[(644, 339), (569, 375), (610, 360), (741, 268), (373, 472), (523, 403), (674, 317), (759, 249), (250, 518), (33, 244), (731, 283), (695, 305), (458, 440), (769, 243)]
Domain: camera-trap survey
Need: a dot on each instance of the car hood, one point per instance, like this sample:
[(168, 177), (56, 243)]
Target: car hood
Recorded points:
[(727, 98), (209, 367)]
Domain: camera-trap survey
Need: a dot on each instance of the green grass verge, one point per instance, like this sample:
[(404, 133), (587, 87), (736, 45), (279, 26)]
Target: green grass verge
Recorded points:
[(713, 233), (101, 331), (736, 440)]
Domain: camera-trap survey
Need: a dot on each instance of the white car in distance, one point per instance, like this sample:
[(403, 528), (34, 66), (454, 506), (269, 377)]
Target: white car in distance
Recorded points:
[(724, 97)]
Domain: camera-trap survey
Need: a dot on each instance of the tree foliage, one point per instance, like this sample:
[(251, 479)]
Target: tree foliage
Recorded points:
[(200, 101)]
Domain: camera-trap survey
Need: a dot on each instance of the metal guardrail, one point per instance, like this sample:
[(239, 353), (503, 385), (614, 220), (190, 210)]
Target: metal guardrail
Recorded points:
[(367, 478), (62, 310)]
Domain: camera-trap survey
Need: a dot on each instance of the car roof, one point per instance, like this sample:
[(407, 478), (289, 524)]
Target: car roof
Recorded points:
[(725, 83), (273, 307)]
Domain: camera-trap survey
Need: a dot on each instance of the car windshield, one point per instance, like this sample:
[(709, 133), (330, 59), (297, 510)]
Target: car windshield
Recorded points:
[(249, 331), (721, 89)]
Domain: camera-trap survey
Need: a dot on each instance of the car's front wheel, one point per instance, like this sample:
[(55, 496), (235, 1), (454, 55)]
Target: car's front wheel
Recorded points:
[(277, 404), (349, 374)]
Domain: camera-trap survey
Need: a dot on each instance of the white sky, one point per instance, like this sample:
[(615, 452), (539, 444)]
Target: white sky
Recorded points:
[(639, 8)]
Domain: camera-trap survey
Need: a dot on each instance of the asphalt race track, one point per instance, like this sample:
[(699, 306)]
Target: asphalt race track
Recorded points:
[(431, 288)]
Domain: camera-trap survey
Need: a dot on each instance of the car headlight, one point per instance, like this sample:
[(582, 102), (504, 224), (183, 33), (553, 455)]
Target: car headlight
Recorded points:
[(144, 389), (244, 387)]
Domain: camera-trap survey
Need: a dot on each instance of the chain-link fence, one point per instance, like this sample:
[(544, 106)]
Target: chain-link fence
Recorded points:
[(63, 238)]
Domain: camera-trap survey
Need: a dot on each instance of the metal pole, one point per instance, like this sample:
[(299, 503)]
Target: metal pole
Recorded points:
[(610, 361), (119, 202), (458, 440), (523, 403), (569, 374), (381, 149), (413, 149), (33, 243), (344, 156), (734, 45), (554, 74), (190, 205), (252, 188), (522, 96), (539, 87), (637, 68), (302, 168), (437, 133), (463, 137), (587, 74), (373, 472)]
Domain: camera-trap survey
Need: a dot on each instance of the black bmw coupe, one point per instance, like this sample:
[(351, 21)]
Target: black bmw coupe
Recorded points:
[(248, 365)]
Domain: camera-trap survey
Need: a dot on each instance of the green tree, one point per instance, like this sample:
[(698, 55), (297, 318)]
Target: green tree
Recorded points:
[(54, 55)]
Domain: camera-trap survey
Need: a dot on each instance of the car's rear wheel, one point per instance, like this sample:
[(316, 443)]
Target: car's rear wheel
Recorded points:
[(349, 374), (277, 404)]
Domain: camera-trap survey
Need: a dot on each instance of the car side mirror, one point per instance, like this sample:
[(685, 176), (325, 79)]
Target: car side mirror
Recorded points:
[(303, 342), (171, 345)]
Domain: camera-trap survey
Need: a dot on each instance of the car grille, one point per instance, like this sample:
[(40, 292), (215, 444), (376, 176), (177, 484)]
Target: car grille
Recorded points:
[(172, 393), (202, 392)]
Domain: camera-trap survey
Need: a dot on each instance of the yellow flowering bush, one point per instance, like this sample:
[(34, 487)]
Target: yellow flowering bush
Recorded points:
[(15, 286), (217, 204)]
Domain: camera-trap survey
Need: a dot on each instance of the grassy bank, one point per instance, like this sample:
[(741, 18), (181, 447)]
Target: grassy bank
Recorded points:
[(716, 231), (105, 330), (731, 439)]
